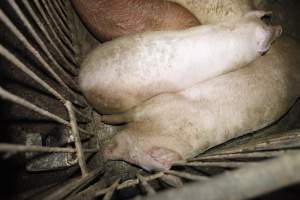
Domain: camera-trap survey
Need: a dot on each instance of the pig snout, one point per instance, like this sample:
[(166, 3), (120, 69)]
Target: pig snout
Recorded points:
[(266, 38)]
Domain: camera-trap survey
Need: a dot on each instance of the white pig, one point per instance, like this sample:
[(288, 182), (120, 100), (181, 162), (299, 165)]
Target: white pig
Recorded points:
[(171, 127), (120, 74)]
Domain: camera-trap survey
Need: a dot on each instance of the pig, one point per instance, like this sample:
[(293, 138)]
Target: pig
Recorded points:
[(109, 19), (212, 11), (122, 73), (177, 126)]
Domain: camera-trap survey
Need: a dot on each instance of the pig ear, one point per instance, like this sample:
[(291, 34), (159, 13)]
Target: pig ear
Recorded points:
[(258, 14), (164, 156)]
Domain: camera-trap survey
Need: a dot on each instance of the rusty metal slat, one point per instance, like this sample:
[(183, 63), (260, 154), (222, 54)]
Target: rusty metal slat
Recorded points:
[(61, 14), (66, 38), (53, 26), (72, 185), (34, 52), (187, 175), (58, 19), (4, 147), (62, 9), (46, 34), (13, 59), (212, 164), (276, 143), (67, 51), (171, 180), (77, 141), (109, 193), (265, 147), (62, 4), (130, 183), (267, 154), (148, 188), (38, 39), (89, 192), (18, 100)]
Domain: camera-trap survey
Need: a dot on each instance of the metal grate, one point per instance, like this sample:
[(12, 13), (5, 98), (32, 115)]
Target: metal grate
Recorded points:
[(46, 39), (61, 68)]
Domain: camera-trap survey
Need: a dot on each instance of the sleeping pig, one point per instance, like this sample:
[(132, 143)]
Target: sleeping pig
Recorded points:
[(108, 19), (176, 126), (122, 73), (211, 11)]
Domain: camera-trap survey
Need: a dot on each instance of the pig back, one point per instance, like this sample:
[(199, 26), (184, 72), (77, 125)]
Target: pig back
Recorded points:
[(212, 11), (108, 19)]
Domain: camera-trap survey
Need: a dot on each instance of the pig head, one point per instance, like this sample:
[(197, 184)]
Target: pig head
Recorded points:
[(149, 151)]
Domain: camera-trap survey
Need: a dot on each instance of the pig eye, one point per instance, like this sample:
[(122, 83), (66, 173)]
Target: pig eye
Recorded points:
[(267, 19)]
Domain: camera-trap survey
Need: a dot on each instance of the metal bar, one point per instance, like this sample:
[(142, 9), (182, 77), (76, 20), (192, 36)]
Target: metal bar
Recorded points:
[(171, 180), (277, 145), (63, 35), (37, 38), (186, 175), (62, 4), (272, 146), (72, 185), (245, 183), (268, 154), (13, 59), (46, 34), (34, 52), (276, 141), (285, 137), (78, 145), (59, 19), (61, 13), (212, 164), (134, 182), (18, 100), (130, 183), (89, 192), (108, 195), (63, 8), (4, 147), (148, 188), (67, 51)]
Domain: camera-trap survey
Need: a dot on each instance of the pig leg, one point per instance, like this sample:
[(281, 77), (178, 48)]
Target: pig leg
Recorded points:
[(116, 119), (135, 145), (258, 14)]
